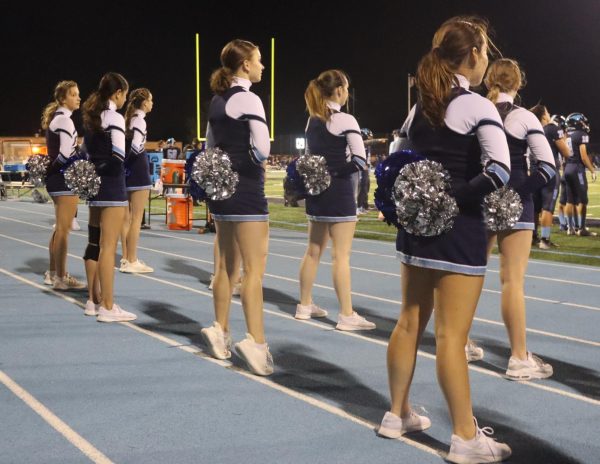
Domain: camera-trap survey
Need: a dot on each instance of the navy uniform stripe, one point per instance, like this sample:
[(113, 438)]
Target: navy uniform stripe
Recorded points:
[(351, 131), (253, 117), (498, 173), (535, 131), (109, 128), (56, 131), (487, 122), (138, 130)]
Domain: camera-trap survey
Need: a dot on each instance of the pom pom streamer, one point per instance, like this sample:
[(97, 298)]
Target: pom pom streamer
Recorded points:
[(196, 191), (315, 174), (81, 177), (386, 173), (423, 205), (502, 209), (213, 173), (37, 165)]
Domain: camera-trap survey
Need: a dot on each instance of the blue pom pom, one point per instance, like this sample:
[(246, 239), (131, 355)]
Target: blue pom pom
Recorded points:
[(195, 190), (386, 173), (293, 183)]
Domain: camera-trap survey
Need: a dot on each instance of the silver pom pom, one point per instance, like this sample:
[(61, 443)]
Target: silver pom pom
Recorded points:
[(82, 179), (423, 204), (502, 209), (212, 172), (37, 165), (314, 172)]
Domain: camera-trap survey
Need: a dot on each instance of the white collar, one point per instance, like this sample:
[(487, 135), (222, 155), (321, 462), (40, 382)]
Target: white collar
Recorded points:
[(140, 113), (112, 105), (65, 111), (463, 81), (333, 105), (242, 82), (504, 97)]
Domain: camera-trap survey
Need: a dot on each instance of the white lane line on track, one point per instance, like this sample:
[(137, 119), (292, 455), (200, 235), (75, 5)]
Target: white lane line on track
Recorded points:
[(54, 421), (227, 365), (363, 295), (317, 325), (369, 241)]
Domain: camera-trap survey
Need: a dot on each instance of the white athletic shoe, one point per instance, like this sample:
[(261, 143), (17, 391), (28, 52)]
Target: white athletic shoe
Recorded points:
[(75, 225), (483, 448), (237, 288), (354, 322), (217, 341), (256, 355), (473, 352), (305, 312), (393, 426), (123, 264), (68, 282), (49, 277), (91, 308), (136, 267), (531, 368), (116, 314)]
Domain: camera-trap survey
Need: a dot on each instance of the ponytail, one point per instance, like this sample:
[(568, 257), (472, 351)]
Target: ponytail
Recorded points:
[(493, 93), (136, 98), (60, 94), (97, 102), (504, 75), (434, 82), (220, 80), (320, 90)]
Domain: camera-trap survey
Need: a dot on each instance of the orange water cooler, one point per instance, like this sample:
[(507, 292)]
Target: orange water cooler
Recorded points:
[(179, 211)]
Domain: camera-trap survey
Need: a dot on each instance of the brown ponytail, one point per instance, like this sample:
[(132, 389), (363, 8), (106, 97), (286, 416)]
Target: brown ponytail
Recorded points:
[(452, 44), (97, 102), (233, 56), (503, 75), (136, 98), (320, 90), (60, 93)]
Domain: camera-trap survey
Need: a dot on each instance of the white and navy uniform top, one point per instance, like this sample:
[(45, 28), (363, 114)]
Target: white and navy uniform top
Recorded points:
[(237, 125), (526, 139), (472, 147), (137, 169), (575, 178), (340, 142), (107, 151), (61, 140)]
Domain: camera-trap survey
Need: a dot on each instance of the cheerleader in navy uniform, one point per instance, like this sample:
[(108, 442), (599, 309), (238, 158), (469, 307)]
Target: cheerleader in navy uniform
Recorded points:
[(525, 134), (237, 125), (105, 143), (549, 192), (332, 214), (61, 140), (137, 178), (459, 129), (577, 186)]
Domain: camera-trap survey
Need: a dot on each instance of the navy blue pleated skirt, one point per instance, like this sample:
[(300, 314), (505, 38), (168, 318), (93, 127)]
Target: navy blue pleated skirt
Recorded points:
[(336, 204), (137, 171)]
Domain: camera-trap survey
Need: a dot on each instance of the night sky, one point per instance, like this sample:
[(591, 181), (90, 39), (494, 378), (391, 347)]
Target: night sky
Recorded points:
[(376, 43)]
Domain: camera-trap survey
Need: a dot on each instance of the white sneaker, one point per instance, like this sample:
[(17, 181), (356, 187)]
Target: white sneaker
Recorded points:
[(217, 341), (531, 368), (257, 356), (393, 426), (237, 288), (308, 311), (354, 322), (212, 280), (123, 264), (136, 267), (116, 314), (91, 308), (49, 277), (68, 282), (473, 352), (75, 225), (482, 448)]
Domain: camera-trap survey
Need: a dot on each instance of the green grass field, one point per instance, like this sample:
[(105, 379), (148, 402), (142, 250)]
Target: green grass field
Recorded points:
[(578, 250)]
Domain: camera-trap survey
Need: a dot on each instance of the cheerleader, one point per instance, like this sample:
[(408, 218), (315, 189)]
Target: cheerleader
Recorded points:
[(549, 192), (61, 140), (577, 187), (105, 142), (459, 129), (525, 134), (137, 178), (332, 214), (237, 125)]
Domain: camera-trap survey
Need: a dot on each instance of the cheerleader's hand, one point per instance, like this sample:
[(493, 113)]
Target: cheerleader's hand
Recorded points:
[(593, 176)]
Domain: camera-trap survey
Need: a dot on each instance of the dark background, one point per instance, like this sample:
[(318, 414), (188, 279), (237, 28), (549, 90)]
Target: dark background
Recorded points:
[(376, 42)]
